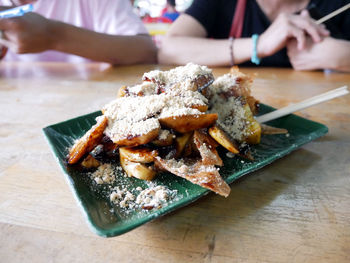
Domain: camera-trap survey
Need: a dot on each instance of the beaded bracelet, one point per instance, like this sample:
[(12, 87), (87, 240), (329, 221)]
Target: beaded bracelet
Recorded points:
[(255, 59)]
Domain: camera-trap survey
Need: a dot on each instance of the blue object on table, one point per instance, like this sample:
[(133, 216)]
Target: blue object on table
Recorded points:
[(255, 59), (17, 11)]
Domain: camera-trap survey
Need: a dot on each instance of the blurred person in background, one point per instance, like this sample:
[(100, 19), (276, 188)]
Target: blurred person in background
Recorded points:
[(170, 11), (279, 33), (77, 31)]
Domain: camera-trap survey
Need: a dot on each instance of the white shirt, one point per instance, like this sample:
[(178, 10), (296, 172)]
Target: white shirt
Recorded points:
[(114, 17)]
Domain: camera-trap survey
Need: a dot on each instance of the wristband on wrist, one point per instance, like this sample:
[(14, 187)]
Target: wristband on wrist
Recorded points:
[(255, 59), (231, 51)]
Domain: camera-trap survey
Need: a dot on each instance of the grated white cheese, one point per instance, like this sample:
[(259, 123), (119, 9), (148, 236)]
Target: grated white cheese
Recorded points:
[(227, 103), (154, 197), (123, 128), (184, 167), (225, 82), (123, 197), (135, 116), (231, 116), (237, 84), (149, 198), (186, 74), (143, 89), (163, 134), (105, 174), (175, 112)]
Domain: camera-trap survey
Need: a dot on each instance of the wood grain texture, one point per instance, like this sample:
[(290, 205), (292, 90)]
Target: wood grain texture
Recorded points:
[(295, 210)]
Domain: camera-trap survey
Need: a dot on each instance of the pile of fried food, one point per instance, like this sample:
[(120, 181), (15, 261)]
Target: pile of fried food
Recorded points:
[(174, 121)]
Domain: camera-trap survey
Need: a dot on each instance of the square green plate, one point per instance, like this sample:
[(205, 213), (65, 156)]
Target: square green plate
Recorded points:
[(107, 219)]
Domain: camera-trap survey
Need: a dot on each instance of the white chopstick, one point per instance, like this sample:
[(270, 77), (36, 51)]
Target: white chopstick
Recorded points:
[(303, 104), (334, 13)]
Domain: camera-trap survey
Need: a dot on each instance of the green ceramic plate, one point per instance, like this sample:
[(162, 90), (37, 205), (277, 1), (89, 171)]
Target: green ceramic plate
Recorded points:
[(109, 220)]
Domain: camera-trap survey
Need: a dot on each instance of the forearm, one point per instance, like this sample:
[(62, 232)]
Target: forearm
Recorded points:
[(212, 52), (339, 55), (102, 47)]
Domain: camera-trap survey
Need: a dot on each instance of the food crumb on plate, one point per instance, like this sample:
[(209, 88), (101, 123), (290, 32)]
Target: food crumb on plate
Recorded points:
[(152, 196), (105, 174)]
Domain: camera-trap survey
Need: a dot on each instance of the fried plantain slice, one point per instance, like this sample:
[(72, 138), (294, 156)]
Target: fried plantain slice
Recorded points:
[(253, 129), (223, 139), (196, 172), (187, 123), (137, 170), (165, 138), (254, 104), (138, 154), (181, 142), (90, 162), (88, 142), (190, 149), (138, 139), (201, 108)]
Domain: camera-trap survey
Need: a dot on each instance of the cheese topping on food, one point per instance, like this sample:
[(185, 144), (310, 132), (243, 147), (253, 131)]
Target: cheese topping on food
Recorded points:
[(185, 74), (231, 114), (135, 115)]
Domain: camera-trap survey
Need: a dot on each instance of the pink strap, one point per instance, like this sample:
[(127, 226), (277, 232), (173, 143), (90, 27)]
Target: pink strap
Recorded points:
[(238, 19)]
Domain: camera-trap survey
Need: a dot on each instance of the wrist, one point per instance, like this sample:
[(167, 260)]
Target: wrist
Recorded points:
[(55, 34), (335, 60), (261, 50)]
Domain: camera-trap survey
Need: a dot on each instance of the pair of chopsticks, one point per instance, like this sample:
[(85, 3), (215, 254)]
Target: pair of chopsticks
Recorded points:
[(303, 104)]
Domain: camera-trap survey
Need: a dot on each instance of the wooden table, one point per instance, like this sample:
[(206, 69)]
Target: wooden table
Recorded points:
[(295, 210)]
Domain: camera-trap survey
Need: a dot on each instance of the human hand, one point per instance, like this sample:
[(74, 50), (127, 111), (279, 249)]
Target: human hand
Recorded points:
[(30, 33), (288, 26), (313, 56), (3, 49)]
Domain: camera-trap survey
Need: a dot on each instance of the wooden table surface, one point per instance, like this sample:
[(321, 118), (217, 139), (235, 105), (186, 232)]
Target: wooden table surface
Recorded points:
[(294, 210)]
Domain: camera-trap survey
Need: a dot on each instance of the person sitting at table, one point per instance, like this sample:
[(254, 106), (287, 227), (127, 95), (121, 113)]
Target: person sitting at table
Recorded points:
[(266, 32), (77, 31)]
